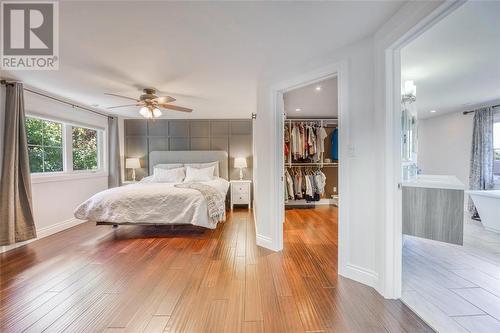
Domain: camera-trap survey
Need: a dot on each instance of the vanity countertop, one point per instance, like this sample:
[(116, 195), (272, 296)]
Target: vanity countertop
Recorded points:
[(436, 181)]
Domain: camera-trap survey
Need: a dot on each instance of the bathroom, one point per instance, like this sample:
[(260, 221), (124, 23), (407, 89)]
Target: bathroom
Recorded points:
[(450, 171)]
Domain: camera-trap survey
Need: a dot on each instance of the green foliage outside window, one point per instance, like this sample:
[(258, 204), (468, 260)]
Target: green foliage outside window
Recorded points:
[(44, 145), (84, 149)]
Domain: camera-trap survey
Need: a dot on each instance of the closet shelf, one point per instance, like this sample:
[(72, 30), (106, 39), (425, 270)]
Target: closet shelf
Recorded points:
[(330, 164)]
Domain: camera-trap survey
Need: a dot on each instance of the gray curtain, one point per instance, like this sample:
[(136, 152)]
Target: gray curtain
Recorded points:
[(16, 211), (481, 161), (114, 178)]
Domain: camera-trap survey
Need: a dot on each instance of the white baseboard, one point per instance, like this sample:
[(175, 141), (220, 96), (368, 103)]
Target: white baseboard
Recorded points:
[(44, 232), (360, 274), (265, 241), (55, 228)]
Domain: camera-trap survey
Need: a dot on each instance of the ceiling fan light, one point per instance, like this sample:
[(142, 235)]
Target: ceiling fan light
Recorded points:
[(144, 111), (156, 113)]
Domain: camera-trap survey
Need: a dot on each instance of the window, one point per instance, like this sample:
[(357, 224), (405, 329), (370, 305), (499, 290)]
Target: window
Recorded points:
[(60, 147), (496, 148), (45, 145), (85, 154)]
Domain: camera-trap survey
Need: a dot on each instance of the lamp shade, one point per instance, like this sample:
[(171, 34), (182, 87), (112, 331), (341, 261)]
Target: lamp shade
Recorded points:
[(240, 162), (132, 163)]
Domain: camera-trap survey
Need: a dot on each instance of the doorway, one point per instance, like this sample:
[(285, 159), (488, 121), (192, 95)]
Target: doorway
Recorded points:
[(450, 262), (329, 202)]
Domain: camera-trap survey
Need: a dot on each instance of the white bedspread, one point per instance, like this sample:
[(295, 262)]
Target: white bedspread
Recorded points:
[(155, 203)]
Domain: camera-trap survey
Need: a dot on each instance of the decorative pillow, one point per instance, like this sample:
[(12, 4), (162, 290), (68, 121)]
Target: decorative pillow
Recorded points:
[(199, 175), (169, 166), (148, 179), (205, 165), (169, 175)]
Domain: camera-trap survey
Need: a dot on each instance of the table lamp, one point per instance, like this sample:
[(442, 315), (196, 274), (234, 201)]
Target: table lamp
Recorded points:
[(133, 163), (240, 163)]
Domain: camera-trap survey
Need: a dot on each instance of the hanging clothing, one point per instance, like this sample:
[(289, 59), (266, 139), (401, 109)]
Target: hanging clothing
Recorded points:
[(321, 136), (289, 185), (335, 145), (320, 181), (296, 142)]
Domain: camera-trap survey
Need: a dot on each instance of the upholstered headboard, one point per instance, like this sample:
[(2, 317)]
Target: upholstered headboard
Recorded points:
[(191, 156)]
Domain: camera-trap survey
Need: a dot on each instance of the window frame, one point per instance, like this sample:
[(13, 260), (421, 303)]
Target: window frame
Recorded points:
[(100, 157), (63, 148), (67, 146)]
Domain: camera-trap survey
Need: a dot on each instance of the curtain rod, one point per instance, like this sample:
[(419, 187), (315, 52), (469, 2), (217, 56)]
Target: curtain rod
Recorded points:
[(494, 106), (5, 82)]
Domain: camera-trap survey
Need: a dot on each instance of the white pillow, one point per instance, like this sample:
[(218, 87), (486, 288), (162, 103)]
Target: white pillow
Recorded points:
[(168, 166), (149, 179), (199, 175), (205, 165), (169, 175)]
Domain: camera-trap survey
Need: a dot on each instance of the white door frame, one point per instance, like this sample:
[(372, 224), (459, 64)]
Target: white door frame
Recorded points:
[(338, 70), (393, 208)]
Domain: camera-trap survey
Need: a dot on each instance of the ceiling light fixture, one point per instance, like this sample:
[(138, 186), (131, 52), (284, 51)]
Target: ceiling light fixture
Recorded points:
[(144, 111), (156, 112), (318, 88), (433, 111), (298, 109)]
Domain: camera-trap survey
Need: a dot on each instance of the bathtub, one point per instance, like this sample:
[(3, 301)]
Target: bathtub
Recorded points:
[(488, 206)]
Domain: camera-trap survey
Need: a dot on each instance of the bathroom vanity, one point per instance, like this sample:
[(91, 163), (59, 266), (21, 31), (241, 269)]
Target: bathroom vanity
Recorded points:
[(433, 208)]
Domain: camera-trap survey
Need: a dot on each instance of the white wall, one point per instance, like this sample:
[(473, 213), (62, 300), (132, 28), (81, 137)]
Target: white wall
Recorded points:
[(370, 253), (444, 145), (361, 182), (55, 198)]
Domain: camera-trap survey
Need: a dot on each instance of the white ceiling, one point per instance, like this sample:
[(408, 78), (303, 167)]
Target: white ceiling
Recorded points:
[(311, 102), (456, 64), (209, 55)]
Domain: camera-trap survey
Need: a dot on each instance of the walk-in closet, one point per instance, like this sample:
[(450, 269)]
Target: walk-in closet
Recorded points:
[(311, 146)]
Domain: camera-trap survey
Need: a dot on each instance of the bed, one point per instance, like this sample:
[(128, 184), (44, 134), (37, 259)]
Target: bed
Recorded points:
[(152, 203)]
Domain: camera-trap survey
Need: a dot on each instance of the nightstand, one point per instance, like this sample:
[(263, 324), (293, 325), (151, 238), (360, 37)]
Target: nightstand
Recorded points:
[(241, 193)]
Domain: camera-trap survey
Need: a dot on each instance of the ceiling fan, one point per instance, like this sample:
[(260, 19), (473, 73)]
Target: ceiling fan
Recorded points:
[(150, 103)]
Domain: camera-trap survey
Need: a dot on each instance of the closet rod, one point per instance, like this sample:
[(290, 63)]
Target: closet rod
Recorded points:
[(5, 82), (325, 164), (312, 119)]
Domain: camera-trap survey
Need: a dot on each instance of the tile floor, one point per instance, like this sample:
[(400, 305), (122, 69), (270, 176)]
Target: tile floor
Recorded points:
[(455, 288)]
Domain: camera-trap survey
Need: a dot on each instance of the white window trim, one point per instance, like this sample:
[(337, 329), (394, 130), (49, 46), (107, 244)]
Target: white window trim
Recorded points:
[(68, 173)]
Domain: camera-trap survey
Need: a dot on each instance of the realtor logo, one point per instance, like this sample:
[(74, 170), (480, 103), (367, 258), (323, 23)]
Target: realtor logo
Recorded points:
[(29, 33)]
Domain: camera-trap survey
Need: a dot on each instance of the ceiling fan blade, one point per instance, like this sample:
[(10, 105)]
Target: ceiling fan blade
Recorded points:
[(164, 99), (123, 106), (110, 94), (174, 107)]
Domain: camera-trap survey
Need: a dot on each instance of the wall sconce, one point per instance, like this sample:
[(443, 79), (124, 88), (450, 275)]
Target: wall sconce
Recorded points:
[(409, 92)]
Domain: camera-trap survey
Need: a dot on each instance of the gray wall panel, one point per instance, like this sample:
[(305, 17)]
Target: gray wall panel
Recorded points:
[(219, 127), (158, 127), (200, 144), (241, 127), (178, 128), (136, 127), (200, 129), (158, 143), (219, 143), (179, 144), (233, 136)]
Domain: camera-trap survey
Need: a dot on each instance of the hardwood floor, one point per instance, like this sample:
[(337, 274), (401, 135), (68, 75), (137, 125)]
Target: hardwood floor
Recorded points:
[(147, 279), (455, 288)]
